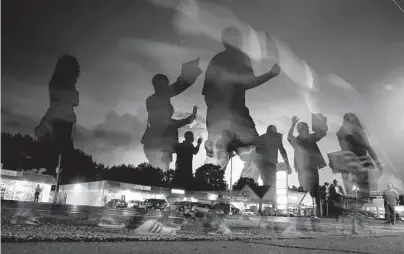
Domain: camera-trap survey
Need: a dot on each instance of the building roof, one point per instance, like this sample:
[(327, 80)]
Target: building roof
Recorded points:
[(31, 177)]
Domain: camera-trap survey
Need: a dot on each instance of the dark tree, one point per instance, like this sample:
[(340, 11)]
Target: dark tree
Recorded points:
[(168, 178), (300, 189), (210, 177), (294, 188), (150, 175), (243, 181)]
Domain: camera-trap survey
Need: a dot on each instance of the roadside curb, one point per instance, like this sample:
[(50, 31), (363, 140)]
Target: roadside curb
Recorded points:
[(139, 238)]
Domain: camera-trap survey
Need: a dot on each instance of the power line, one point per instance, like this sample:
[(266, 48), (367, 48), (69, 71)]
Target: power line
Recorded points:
[(401, 9)]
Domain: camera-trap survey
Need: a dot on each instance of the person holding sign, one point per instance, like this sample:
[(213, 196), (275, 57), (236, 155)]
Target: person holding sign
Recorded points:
[(308, 158), (161, 135), (228, 77), (354, 164)]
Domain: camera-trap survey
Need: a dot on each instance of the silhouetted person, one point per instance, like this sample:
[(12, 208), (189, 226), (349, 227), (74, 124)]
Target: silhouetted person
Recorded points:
[(185, 154), (308, 158), (229, 124), (391, 198), (161, 134), (336, 199), (37, 193), (267, 147), (352, 138), (324, 194), (57, 126)]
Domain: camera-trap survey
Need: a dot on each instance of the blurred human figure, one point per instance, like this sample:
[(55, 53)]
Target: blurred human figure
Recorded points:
[(391, 198), (357, 165), (336, 199), (57, 126), (185, 154), (228, 77), (324, 194), (161, 135), (267, 147), (37, 193), (308, 158)]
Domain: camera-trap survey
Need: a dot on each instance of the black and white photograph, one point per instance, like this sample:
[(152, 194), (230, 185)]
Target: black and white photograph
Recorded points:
[(202, 126)]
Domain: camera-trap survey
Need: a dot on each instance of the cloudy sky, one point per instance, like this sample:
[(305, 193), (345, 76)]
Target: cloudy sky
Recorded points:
[(355, 50)]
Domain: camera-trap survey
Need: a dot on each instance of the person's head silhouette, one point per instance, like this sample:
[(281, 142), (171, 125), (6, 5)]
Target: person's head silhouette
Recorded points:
[(302, 128), (66, 73), (232, 38), (353, 120), (161, 84), (189, 136), (271, 129)]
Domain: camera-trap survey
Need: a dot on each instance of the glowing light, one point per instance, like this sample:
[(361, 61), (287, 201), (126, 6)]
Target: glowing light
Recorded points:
[(194, 199), (176, 191), (77, 188), (212, 196)]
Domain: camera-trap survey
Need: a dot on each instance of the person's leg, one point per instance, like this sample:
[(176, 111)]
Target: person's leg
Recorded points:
[(387, 213)]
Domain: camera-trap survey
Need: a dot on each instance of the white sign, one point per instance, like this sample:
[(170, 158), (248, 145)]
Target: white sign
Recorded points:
[(9, 172), (134, 186), (175, 191)]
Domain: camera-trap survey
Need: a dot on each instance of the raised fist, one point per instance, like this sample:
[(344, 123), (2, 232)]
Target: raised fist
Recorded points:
[(295, 120), (275, 70)]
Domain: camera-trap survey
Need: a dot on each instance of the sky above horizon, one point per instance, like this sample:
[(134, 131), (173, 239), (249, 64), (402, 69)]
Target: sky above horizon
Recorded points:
[(354, 48)]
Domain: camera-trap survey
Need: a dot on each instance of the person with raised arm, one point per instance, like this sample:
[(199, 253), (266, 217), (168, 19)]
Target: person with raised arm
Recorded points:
[(228, 121), (308, 158), (161, 135)]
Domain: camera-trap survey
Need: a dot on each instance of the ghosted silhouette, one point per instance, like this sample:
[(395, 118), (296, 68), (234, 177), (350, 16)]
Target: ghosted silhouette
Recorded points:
[(161, 135), (57, 126), (336, 200), (229, 124), (183, 166), (308, 158), (267, 147), (357, 167)]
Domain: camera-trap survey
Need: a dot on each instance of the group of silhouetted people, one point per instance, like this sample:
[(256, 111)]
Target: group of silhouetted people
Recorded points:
[(230, 126)]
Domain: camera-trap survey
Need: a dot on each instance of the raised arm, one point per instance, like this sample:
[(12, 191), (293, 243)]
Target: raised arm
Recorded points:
[(291, 138), (246, 78), (196, 149), (188, 120), (178, 87), (284, 154), (317, 136)]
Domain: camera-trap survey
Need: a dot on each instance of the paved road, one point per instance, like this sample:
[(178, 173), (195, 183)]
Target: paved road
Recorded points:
[(323, 245)]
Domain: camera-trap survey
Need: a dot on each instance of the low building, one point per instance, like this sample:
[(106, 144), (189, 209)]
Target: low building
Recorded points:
[(101, 192), (21, 186)]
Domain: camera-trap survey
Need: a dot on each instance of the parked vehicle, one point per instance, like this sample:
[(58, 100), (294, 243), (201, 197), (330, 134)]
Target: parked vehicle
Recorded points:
[(226, 208), (136, 204), (156, 204), (116, 203), (247, 212)]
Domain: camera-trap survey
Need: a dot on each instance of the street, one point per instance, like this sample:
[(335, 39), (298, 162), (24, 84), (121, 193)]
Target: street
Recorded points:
[(389, 244)]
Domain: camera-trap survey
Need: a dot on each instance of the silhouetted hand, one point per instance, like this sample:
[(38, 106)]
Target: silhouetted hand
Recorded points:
[(295, 120), (200, 141), (276, 69)]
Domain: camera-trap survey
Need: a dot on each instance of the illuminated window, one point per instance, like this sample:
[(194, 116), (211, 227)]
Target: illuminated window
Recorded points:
[(281, 192), (282, 200)]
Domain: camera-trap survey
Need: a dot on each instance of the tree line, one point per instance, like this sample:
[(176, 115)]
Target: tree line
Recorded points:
[(23, 153)]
